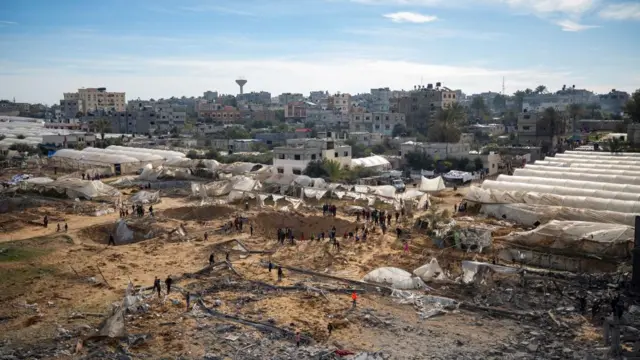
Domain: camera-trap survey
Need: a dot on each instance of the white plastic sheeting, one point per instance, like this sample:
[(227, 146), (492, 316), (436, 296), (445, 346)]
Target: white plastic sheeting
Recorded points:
[(123, 233), (374, 161), (589, 165), (592, 169), (587, 237), (93, 158), (179, 162), (166, 154), (145, 197), (491, 196), (580, 176), (240, 168), (143, 157), (430, 271), (432, 185), (395, 278), (149, 173), (597, 156), (576, 184), (560, 190), (601, 153), (527, 214), (224, 187), (472, 270), (593, 160), (455, 175), (85, 189)]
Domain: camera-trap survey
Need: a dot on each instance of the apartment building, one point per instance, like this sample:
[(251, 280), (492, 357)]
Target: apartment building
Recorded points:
[(211, 96), (328, 119), (96, 99), (422, 104), (70, 109), (442, 151), (220, 113), (366, 138), (262, 97), (318, 96), (296, 110), (69, 141), (293, 158), (340, 103), (614, 102), (533, 130), (380, 100), (376, 122), (286, 98)]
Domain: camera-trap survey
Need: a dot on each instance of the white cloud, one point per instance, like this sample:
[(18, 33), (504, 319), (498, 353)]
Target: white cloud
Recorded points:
[(410, 17), (8, 22), (166, 77), (572, 26), (218, 9), (622, 11), (575, 7)]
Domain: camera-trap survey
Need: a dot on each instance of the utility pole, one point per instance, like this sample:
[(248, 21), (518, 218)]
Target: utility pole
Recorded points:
[(503, 86)]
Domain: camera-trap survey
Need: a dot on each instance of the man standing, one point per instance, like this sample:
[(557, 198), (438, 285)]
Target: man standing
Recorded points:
[(211, 259), (354, 298), (156, 285), (168, 282), (46, 221), (280, 273), (111, 240)]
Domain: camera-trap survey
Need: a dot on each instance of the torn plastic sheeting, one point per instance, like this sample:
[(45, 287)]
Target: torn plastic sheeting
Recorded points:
[(313, 193), (395, 278), (145, 197), (361, 189), (471, 268), (384, 190), (430, 271), (481, 238), (429, 305), (527, 214), (123, 233), (424, 201), (340, 194), (276, 198), (295, 203)]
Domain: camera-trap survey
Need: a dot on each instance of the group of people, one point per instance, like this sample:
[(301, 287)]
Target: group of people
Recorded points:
[(330, 209), (135, 209), (94, 177), (66, 227), (238, 224), (379, 217)]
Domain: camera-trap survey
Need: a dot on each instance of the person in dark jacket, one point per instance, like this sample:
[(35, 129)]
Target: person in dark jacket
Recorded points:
[(168, 282), (156, 285)]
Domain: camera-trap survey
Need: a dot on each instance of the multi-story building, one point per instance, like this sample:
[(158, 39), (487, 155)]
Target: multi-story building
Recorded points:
[(293, 158), (534, 130), (366, 138), (262, 97), (376, 122), (279, 139), (69, 141), (442, 151), (614, 101), (380, 100), (210, 96), (96, 99), (340, 103), (328, 119), (70, 109), (422, 104), (218, 112), (318, 96), (488, 129), (286, 98), (296, 110)]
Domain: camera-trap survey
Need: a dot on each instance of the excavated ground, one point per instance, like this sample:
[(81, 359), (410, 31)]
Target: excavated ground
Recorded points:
[(199, 213)]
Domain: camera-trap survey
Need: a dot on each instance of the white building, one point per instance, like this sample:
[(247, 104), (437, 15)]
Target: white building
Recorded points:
[(442, 151), (94, 99), (70, 140), (340, 103), (294, 158), (377, 122)]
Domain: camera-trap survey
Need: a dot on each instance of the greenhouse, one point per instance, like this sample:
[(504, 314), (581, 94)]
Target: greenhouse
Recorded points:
[(623, 187), (604, 178), (166, 154), (594, 161), (145, 158), (82, 160), (598, 157), (374, 162), (492, 196), (600, 153), (593, 169), (559, 190)]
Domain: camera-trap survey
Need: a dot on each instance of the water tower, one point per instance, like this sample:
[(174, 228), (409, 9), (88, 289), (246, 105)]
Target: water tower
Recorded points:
[(241, 82)]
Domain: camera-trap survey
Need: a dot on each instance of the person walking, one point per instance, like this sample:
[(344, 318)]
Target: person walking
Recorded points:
[(111, 240), (187, 298), (280, 273), (354, 299), (46, 221), (298, 338), (250, 229), (66, 227), (168, 282), (211, 259), (330, 328), (206, 236), (270, 266), (58, 228), (406, 247), (156, 286)]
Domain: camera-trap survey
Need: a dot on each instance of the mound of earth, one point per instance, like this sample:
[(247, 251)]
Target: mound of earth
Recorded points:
[(199, 213), (267, 224)]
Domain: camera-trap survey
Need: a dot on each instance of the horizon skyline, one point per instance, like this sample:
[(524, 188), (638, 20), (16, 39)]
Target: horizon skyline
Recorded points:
[(158, 49)]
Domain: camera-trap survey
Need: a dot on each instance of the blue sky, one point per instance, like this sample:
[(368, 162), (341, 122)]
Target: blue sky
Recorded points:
[(160, 48)]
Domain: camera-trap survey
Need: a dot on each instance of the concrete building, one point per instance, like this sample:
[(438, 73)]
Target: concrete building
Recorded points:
[(422, 104), (285, 98), (340, 103), (488, 129), (614, 102), (377, 122), (442, 151), (318, 96), (69, 109), (69, 141), (296, 111), (533, 130), (280, 139), (95, 99), (294, 158), (380, 100), (366, 138), (210, 96), (218, 112), (328, 119), (262, 97)]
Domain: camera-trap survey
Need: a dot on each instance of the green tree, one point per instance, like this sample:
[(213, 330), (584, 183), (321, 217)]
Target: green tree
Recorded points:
[(236, 132), (329, 169), (478, 105), (576, 111), (519, 99), (192, 154), (478, 164), (279, 115), (357, 150), (419, 161), (212, 154), (593, 108), (615, 145), (541, 89), (315, 169), (632, 108), (102, 126), (259, 147), (500, 102), (20, 136), (447, 125)]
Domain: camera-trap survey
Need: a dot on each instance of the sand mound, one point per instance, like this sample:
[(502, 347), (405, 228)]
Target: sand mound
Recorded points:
[(267, 224), (199, 213)]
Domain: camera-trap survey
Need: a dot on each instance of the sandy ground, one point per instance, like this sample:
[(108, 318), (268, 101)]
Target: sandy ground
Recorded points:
[(53, 276)]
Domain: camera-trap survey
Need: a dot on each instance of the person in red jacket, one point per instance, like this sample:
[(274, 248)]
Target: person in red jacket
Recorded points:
[(354, 298)]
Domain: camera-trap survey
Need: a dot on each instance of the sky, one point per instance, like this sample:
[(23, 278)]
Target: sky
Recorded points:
[(163, 48)]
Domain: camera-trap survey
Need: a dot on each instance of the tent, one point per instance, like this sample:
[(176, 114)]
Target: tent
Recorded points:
[(458, 176), (395, 278), (375, 162), (432, 185)]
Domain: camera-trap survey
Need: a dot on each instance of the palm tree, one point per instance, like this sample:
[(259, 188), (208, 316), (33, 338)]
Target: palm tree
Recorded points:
[(576, 111), (593, 107), (632, 108), (615, 145), (102, 126), (541, 89), (478, 105), (333, 169), (550, 123), (448, 124)]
